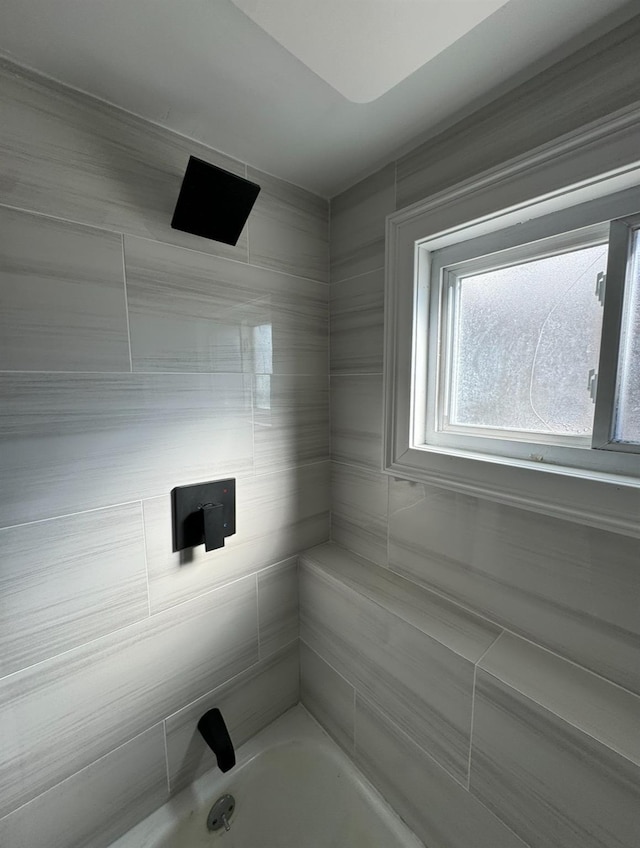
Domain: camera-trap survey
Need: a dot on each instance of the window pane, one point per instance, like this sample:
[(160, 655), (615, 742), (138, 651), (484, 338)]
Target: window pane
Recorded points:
[(627, 426), (524, 341)]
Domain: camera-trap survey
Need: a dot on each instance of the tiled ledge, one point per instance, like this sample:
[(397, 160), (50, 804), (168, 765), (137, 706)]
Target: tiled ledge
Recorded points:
[(462, 632), (399, 676), (601, 709)]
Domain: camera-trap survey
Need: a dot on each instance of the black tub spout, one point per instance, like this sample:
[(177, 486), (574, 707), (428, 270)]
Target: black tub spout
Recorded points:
[(214, 732)]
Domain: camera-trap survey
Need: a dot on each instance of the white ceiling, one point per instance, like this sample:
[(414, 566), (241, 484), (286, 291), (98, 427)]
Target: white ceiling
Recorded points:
[(362, 48), (203, 68)]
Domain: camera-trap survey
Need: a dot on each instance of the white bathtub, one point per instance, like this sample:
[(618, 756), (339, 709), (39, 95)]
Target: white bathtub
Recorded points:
[(294, 788)]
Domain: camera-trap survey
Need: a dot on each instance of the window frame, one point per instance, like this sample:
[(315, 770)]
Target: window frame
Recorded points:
[(529, 194), (523, 250)]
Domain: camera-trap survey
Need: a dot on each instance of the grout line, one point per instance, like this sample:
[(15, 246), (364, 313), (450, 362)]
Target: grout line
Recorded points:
[(126, 303), (216, 256), (243, 477), (375, 708), (340, 373), (258, 615), (80, 770), (395, 185), (71, 514), (166, 754), (484, 653), (355, 712), (146, 559), (473, 707), (249, 671), (112, 633), (571, 722), (356, 276), (326, 662)]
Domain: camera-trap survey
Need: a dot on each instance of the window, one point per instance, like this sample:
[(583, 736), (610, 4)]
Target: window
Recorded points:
[(515, 340), (512, 354)]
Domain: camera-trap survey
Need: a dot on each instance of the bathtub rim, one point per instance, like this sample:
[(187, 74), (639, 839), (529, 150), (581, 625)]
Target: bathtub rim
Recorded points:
[(294, 727)]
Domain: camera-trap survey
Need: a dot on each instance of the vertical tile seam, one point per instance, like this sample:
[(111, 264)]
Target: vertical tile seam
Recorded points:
[(245, 174), (166, 755), (395, 185), (473, 703), (146, 557), (257, 582), (473, 706), (355, 712), (126, 302)]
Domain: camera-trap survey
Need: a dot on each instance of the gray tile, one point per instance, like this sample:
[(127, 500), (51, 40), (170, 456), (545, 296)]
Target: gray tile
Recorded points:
[(358, 224), (599, 708), (589, 84), (62, 293), (289, 229), (357, 324), (420, 684), (277, 515), (440, 811), (447, 623), (328, 697), (290, 420), (70, 443), (97, 804), (60, 715), (193, 312), (550, 782), (277, 606), (566, 586), (69, 580), (356, 420), (359, 511), (65, 154), (248, 703)]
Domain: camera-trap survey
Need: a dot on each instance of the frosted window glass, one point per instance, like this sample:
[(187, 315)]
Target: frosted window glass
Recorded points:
[(627, 425), (524, 340)]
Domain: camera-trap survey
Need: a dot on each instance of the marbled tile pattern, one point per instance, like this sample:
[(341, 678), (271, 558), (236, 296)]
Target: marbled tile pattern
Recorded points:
[(74, 157), (329, 697), (440, 811), (97, 804), (290, 420), (75, 442), (357, 324), (248, 703), (68, 581), (277, 515), (288, 229), (451, 625), (62, 296), (592, 83), (550, 782), (88, 701), (105, 631), (359, 511), (356, 420), (569, 587), (189, 311), (358, 223), (277, 606), (418, 682)]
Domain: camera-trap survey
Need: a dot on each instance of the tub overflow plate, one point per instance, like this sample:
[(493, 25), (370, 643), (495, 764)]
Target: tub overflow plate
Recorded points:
[(221, 812)]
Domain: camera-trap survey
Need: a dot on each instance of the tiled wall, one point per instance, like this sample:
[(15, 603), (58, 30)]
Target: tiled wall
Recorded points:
[(482, 664), (134, 358)]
